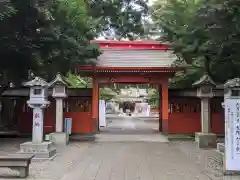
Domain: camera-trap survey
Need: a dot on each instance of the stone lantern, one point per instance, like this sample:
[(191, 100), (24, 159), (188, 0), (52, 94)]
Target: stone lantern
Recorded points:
[(38, 101), (232, 88), (59, 93), (205, 138)]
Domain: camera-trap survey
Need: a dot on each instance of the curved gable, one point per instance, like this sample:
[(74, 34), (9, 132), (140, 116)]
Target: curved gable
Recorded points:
[(134, 54)]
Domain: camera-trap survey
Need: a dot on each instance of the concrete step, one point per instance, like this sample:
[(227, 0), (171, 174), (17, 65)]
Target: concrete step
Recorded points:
[(180, 137), (82, 137)]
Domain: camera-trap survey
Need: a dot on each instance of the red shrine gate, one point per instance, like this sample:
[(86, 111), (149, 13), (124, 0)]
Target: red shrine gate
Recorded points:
[(133, 62), (124, 62)]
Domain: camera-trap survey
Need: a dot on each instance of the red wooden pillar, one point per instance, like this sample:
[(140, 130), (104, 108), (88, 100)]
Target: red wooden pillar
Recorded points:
[(159, 88), (164, 105), (95, 103)]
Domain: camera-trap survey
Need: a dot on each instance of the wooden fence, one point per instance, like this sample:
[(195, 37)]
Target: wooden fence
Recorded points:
[(184, 114)]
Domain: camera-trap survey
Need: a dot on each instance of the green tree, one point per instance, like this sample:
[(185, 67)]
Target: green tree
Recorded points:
[(73, 29), (204, 34), (119, 18), (107, 94), (46, 37), (20, 39), (175, 19), (75, 81), (220, 20)]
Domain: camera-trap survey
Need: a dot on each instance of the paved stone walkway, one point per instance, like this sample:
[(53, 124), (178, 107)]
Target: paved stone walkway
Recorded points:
[(131, 125), (125, 158)]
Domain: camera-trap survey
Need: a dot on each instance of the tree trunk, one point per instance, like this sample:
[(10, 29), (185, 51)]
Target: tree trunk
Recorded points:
[(207, 65)]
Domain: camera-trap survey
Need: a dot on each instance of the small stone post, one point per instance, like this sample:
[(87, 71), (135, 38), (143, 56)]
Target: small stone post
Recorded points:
[(38, 101), (205, 138), (59, 93)]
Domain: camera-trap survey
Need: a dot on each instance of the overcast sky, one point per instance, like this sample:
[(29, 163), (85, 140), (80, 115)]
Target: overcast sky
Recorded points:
[(151, 1)]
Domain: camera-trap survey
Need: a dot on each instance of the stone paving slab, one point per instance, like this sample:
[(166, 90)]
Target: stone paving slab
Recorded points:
[(130, 125), (131, 138), (129, 160), (209, 161)]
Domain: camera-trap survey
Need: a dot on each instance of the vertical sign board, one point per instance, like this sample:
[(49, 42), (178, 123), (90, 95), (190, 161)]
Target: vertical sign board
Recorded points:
[(148, 110), (68, 125), (145, 109), (102, 113), (232, 134)]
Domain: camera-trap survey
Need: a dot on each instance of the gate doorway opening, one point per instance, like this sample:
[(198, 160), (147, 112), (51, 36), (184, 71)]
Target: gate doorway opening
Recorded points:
[(129, 109)]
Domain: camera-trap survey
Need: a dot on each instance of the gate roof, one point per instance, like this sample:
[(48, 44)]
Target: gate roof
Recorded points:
[(134, 55)]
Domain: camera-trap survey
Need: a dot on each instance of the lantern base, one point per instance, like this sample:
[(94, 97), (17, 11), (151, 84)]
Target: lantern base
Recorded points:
[(44, 150), (206, 140), (59, 138)]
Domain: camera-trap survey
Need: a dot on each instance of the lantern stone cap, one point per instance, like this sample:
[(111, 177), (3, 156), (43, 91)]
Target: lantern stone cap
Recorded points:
[(205, 80), (232, 83), (37, 81), (58, 80)]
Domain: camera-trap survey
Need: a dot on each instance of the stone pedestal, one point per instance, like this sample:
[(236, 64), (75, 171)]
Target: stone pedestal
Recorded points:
[(41, 150), (59, 138), (206, 140), (44, 150)]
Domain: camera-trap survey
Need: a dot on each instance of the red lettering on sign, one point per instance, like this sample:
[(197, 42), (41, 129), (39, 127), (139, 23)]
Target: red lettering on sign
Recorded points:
[(36, 115)]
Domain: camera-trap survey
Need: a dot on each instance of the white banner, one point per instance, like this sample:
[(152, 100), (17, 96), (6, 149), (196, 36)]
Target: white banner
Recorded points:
[(232, 134), (145, 109), (102, 113)]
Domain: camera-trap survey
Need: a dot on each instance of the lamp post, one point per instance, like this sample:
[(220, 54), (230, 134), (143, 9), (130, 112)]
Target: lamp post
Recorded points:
[(59, 93), (38, 102), (205, 138)]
